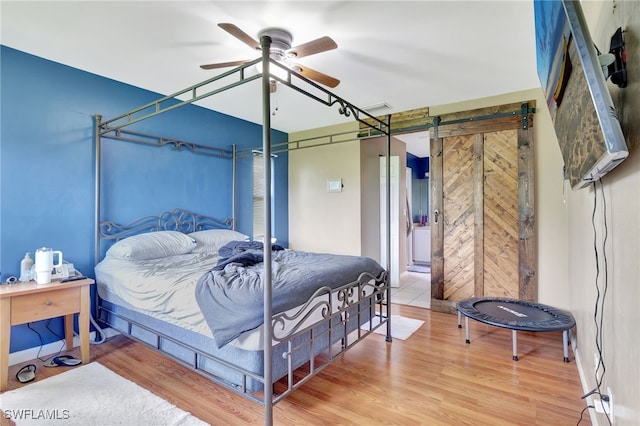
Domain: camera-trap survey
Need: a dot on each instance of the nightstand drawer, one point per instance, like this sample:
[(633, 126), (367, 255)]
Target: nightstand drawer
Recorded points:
[(49, 304)]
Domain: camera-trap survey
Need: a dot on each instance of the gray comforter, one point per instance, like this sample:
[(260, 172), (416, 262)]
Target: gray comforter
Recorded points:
[(231, 299)]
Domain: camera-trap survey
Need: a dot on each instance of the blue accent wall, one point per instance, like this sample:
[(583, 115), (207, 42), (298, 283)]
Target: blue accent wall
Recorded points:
[(47, 166), (418, 166)]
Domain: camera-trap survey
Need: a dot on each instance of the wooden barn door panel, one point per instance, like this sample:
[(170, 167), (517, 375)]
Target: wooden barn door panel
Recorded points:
[(484, 242), (457, 216), (480, 215), (500, 222)]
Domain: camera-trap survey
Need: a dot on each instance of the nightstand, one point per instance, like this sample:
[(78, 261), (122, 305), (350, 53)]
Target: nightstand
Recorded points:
[(28, 302)]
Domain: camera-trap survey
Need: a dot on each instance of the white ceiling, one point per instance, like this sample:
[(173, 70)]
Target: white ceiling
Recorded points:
[(408, 54), (417, 143)]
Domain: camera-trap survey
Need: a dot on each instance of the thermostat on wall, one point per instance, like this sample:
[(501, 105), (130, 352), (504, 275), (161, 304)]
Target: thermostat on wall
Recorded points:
[(334, 185)]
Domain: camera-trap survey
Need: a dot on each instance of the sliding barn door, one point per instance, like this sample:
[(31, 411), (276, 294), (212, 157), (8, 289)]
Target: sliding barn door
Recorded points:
[(499, 189), (483, 243), (457, 215)]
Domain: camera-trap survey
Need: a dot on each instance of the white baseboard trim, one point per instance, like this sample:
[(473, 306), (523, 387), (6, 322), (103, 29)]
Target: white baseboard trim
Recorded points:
[(52, 348), (585, 386)]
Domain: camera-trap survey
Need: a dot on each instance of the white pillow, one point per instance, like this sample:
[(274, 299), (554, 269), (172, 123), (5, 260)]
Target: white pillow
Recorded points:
[(153, 245), (210, 240)]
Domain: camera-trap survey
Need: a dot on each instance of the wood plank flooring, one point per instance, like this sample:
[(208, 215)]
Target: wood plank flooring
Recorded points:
[(433, 378)]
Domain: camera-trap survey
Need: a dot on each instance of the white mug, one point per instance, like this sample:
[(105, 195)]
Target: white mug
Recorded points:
[(44, 264)]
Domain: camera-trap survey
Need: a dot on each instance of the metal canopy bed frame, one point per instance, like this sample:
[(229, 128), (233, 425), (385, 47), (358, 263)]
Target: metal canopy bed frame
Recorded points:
[(351, 296)]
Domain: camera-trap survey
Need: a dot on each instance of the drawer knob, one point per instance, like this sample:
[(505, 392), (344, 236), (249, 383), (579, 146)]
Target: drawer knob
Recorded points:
[(48, 303)]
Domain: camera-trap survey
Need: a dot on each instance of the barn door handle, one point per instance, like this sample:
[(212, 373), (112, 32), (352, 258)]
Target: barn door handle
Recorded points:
[(436, 213)]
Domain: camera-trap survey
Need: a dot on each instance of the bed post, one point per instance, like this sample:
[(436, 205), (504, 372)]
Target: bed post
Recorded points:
[(96, 215), (265, 42), (234, 154), (388, 184)]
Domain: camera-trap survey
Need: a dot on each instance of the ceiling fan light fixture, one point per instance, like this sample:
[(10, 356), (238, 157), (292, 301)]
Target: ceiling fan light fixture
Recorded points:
[(274, 71), (280, 51), (280, 38), (277, 54)]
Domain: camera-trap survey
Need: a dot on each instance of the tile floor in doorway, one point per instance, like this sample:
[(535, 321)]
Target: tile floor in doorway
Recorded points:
[(414, 290)]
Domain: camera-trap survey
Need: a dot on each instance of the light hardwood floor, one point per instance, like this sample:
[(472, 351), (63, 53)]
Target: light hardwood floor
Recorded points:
[(433, 378)]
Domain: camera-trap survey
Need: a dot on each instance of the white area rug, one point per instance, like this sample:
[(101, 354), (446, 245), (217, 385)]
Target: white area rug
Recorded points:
[(90, 395), (401, 327)]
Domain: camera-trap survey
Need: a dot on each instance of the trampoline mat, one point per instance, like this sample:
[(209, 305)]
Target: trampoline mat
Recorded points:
[(516, 314)]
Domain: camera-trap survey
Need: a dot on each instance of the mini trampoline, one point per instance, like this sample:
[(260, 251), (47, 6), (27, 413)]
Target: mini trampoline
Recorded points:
[(516, 315)]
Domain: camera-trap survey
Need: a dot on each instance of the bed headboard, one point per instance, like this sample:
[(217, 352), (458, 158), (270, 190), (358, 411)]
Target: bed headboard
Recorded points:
[(174, 220)]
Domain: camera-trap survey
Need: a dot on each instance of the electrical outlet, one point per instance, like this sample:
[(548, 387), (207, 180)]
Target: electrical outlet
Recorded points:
[(601, 406), (605, 406)]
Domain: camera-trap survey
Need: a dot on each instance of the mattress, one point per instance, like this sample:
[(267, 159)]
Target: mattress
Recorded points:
[(164, 289)]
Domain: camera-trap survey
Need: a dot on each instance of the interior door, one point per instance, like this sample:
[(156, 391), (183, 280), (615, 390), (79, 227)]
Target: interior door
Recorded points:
[(500, 215), (409, 215), (394, 220), (457, 216), (482, 205)]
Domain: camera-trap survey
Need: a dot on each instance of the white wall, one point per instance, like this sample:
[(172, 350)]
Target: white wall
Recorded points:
[(322, 221), (346, 222), (621, 337)]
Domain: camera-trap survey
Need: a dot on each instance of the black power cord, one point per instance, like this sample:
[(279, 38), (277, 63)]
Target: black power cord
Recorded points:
[(598, 316), (582, 413), (600, 335), (42, 341), (99, 332)]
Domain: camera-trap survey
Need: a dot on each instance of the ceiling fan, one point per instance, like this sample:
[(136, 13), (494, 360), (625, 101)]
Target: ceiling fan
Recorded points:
[(282, 52)]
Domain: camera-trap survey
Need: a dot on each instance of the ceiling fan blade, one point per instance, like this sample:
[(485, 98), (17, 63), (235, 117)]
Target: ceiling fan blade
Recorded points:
[(223, 65), (240, 35), (318, 45), (314, 75)]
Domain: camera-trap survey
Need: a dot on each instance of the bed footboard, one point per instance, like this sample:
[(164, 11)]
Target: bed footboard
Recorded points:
[(339, 315), (319, 332)]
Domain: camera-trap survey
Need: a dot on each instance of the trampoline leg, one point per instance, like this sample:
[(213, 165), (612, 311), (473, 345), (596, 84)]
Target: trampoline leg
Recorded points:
[(514, 334), (459, 320), (565, 345), (466, 328)]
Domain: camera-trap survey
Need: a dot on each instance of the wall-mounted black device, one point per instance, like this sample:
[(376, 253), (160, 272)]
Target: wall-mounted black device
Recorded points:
[(618, 69)]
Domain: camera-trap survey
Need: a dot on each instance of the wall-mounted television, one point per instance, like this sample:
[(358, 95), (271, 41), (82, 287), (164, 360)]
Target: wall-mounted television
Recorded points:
[(583, 114)]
